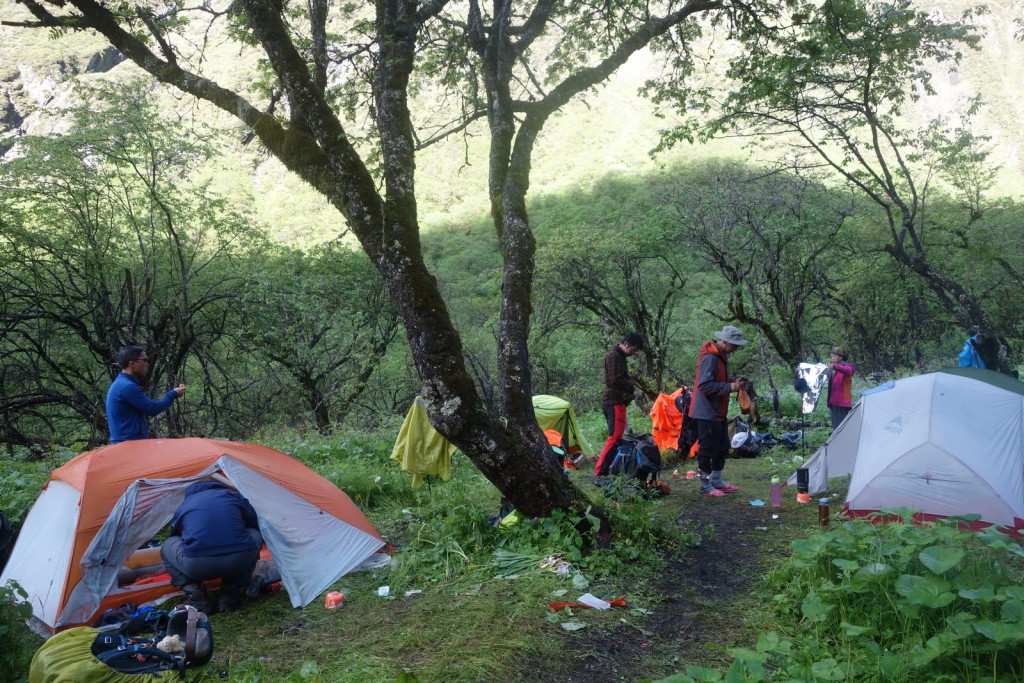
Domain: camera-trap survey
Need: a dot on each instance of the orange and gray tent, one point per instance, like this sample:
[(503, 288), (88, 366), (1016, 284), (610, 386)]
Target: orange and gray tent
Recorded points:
[(101, 506)]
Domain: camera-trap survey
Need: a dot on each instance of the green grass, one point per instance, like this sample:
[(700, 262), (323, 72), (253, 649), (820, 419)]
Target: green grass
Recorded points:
[(468, 601), (475, 618)]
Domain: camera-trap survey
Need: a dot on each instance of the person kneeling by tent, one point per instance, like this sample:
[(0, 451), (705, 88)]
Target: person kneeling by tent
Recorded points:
[(215, 534)]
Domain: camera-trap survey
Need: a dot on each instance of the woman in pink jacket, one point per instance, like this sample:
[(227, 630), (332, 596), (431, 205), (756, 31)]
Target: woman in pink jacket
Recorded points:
[(840, 394)]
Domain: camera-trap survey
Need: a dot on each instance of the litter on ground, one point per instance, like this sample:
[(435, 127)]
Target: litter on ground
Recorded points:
[(588, 600)]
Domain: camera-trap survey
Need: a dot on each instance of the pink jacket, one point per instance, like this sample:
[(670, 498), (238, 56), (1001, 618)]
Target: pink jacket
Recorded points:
[(840, 386)]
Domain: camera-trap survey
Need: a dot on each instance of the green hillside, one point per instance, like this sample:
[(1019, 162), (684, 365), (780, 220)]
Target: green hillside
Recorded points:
[(611, 130), (675, 244)]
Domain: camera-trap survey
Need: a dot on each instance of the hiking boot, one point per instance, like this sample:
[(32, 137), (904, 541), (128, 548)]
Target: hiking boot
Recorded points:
[(715, 493), (728, 488), (256, 585), (195, 595), (230, 597), (229, 604)]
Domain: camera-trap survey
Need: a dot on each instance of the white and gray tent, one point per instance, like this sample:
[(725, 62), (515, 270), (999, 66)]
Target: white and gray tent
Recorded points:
[(945, 443)]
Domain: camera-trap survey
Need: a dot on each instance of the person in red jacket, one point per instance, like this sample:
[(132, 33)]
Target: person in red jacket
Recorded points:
[(840, 394), (617, 394), (709, 406)]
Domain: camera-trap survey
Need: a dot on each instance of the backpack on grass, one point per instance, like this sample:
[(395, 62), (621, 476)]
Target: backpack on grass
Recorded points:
[(638, 458), (135, 655), (743, 439), (193, 629), (87, 655), (130, 653), (68, 658)]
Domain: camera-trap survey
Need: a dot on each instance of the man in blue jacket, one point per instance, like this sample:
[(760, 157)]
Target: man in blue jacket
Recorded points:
[(214, 535), (128, 407)]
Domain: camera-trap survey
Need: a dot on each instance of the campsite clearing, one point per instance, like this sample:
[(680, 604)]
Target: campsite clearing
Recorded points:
[(471, 602), (685, 607), (470, 621)]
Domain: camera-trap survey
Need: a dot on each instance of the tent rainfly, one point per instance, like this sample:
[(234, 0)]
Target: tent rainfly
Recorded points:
[(666, 421), (101, 506), (422, 451)]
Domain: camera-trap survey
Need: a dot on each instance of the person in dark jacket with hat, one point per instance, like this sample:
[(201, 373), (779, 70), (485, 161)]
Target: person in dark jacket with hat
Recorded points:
[(709, 406), (215, 535), (617, 395)]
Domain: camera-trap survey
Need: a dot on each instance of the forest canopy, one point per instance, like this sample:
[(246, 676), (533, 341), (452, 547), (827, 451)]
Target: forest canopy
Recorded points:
[(872, 228)]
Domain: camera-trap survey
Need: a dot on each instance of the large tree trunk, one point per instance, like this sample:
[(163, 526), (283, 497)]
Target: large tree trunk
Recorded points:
[(510, 450)]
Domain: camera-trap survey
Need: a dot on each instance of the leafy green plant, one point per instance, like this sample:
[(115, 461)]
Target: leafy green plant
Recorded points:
[(895, 602), (16, 640), (19, 487)]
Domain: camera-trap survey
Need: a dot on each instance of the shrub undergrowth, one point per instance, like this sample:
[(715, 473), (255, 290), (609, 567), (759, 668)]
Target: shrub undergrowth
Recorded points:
[(447, 538), (891, 602), (16, 642)]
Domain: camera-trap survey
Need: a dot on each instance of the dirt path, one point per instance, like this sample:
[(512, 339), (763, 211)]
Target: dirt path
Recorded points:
[(677, 631)]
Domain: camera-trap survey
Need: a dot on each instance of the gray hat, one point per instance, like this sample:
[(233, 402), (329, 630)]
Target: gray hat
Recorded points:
[(731, 334)]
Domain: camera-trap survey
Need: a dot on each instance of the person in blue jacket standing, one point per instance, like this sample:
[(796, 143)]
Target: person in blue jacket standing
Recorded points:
[(128, 407)]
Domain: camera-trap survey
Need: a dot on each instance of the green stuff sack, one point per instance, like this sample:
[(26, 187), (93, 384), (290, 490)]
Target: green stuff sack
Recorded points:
[(68, 658)]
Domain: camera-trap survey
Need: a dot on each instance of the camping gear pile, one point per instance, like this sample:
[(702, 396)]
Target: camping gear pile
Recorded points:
[(180, 638), (673, 428), (99, 508)]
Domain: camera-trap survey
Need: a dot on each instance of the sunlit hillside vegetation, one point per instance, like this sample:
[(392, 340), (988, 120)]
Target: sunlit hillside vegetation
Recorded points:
[(619, 238), (613, 130)]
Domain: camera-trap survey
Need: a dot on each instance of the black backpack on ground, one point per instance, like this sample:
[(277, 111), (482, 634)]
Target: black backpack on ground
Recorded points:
[(128, 652), (193, 627), (135, 655), (743, 440), (638, 458)]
